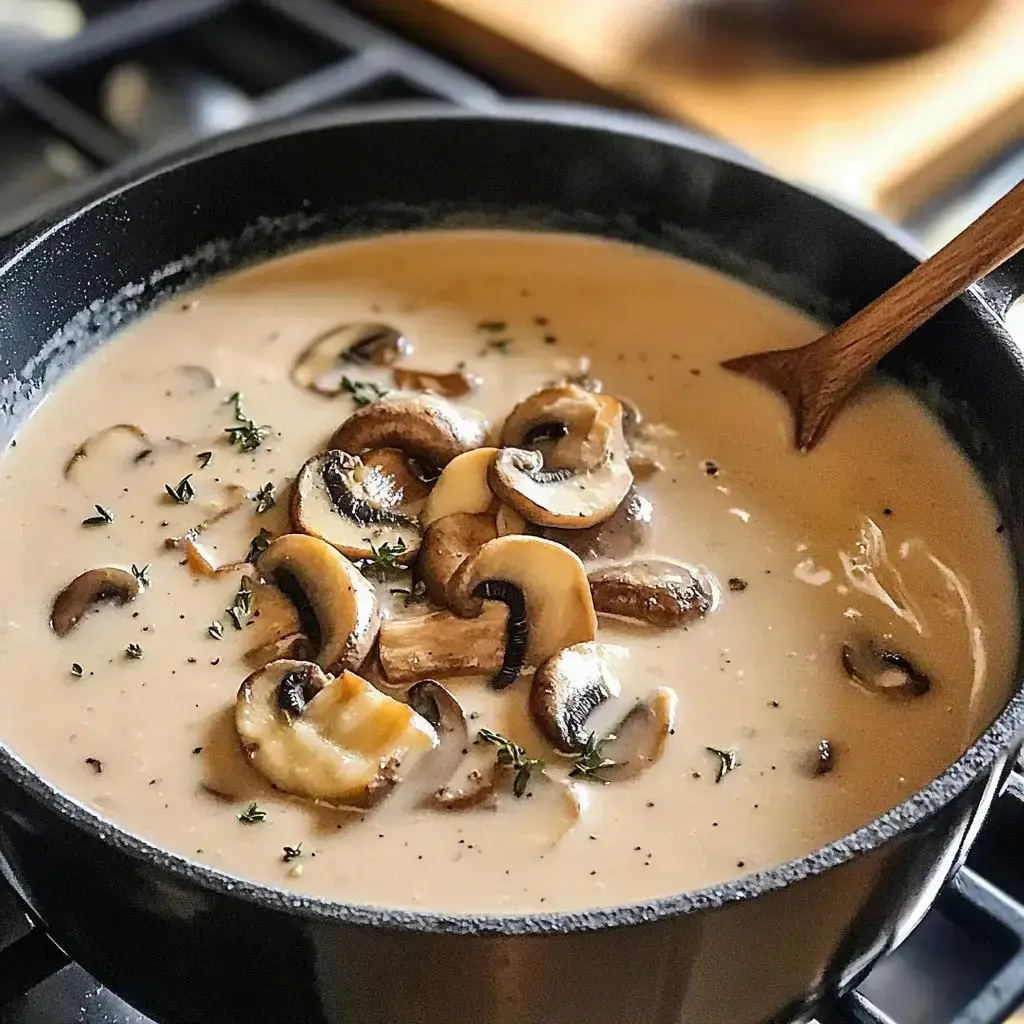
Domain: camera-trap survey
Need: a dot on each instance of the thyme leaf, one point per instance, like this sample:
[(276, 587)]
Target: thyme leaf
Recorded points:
[(363, 392), (142, 575), (253, 814), (592, 761), (184, 492), (243, 606), (292, 853), (103, 515), (205, 458), (511, 755), (259, 544), (216, 629), (248, 435), (728, 760), (76, 670), (133, 651), (265, 498), (384, 561)]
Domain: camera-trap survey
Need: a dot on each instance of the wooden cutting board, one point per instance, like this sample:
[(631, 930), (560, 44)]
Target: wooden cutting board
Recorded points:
[(887, 135)]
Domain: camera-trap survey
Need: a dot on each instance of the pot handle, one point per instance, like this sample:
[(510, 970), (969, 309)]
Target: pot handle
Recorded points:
[(1004, 285), (32, 959)]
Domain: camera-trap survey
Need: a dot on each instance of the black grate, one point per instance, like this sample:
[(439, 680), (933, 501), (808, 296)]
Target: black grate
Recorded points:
[(148, 72)]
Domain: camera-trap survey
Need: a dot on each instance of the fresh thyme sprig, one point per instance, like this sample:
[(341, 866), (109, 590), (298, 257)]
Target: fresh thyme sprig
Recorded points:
[(728, 760), (133, 651), (242, 608), (216, 629), (363, 392), (265, 498), (103, 515), (184, 492), (247, 435), (592, 761), (142, 575), (384, 561), (253, 814), (259, 544), (512, 755)]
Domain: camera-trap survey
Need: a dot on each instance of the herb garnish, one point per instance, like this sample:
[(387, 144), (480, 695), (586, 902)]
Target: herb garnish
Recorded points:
[(76, 670), (133, 651), (95, 764), (205, 458), (384, 562), (104, 515), (727, 761), (592, 761), (142, 575), (363, 392), (513, 756), (241, 611), (253, 814), (248, 436), (497, 345), (492, 325), (737, 585), (265, 498), (184, 492), (292, 853), (259, 544), (411, 595), (216, 629)]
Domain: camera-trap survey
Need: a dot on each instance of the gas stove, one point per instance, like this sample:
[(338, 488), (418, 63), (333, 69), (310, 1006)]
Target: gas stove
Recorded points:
[(89, 85)]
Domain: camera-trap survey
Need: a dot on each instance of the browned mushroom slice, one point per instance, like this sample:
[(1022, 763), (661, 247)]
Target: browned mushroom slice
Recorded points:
[(569, 687), (442, 644), (655, 591), (119, 444), (456, 384), (461, 487), (885, 672), (563, 415), (447, 543), (293, 645), (617, 537), (404, 477), (425, 427), (323, 364), (339, 741), (339, 500), (87, 591), (639, 739), (337, 606), (545, 590), (577, 496)]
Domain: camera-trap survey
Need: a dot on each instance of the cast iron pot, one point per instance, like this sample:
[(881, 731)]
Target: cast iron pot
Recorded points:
[(190, 945)]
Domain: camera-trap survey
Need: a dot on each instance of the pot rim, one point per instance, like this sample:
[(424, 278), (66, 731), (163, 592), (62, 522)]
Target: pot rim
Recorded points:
[(993, 742)]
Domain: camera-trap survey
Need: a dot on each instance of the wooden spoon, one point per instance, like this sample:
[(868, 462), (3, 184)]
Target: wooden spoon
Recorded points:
[(816, 379)]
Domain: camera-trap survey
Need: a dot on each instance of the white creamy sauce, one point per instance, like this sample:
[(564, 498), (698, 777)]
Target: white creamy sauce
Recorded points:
[(882, 532)]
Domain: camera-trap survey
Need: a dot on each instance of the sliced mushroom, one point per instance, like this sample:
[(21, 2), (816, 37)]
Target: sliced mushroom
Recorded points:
[(407, 480), (292, 645), (568, 497), (564, 414), (339, 500), (336, 605), (339, 741), (618, 537), (456, 384), (569, 687), (885, 672), (425, 427), (198, 560), (440, 644), (447, 543), (331, 356), (124, 443), (545, 589), (461, 487), (91, 588), (655, 591), (638, 741)]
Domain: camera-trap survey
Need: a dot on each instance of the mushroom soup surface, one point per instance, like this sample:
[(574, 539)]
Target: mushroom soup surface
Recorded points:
[(450, 571)]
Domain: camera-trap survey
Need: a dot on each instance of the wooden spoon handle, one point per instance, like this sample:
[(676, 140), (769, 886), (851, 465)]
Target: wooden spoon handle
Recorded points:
[(878, 328)]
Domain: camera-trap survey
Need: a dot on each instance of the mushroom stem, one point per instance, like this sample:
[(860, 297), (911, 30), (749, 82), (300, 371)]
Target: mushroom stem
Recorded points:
[(441, 644)]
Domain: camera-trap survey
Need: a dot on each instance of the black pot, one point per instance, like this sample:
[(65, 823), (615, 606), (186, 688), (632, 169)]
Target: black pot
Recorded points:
[(188, 944)]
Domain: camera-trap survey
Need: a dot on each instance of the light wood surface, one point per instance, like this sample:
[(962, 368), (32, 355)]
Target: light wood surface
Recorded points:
[(887, 134), (816, 379)]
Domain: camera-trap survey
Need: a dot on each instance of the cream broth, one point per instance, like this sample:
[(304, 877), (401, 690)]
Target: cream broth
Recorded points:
[(882, 532)]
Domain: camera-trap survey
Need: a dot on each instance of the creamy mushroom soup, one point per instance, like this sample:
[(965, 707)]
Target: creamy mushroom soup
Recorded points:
[(534, 605)]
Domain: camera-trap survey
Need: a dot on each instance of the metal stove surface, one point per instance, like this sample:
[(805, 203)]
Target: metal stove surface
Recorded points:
[(87, 84)]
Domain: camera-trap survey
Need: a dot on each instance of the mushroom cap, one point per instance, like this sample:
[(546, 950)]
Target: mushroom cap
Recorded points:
[(340, 741), (447, 543), (410, 482), (569, 687), (878, 670), (552, 581), (338, 606), (461, 487), (639, 739), (120, 444), (573, 408), (89, 589), (656, 591), (330, 357), (423, 426), (577, 496), (351, 506)]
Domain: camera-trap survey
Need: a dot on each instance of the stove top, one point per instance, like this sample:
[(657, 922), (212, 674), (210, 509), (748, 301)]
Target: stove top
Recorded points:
[(87, 85)]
